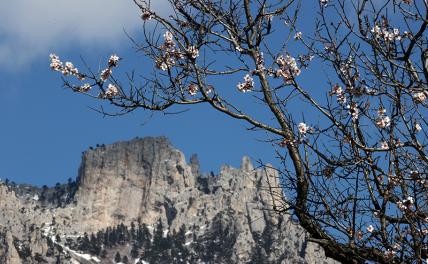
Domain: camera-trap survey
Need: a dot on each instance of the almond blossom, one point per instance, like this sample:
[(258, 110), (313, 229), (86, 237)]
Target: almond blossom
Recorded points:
[(113, 60), (260, 61), (383, 121), (85, 88), (105, 74), (384, 145), (353, 110), (419, 97), (193, 52), (247, 85), (169, 54), (303, 128), (111, 91), (387, 35), (418, 127), (68, 69), (298, 36), (193, 89), (338, 91), (147, 14), (288, 68), (406, 203), (56, 64), (390, 253), (370, 229)]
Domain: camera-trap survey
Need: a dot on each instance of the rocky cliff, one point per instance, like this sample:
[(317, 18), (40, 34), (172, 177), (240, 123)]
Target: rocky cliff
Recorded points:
[(147, 181)]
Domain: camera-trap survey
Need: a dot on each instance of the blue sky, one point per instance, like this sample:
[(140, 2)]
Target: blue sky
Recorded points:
[(44, 128)]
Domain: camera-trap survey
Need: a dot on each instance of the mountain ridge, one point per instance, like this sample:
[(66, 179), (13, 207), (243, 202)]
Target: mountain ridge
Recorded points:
[(149, 180)]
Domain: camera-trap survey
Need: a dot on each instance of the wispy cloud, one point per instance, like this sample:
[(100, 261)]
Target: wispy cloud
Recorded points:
[(31, 28)]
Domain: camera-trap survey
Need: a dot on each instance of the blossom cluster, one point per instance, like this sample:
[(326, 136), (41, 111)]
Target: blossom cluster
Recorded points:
[(170, 54), (288, 68), (406, 203), (67, 69), (247, 85), (193, 52), (340, 94), (113, 61), (85, 88), (111, 92), (353, 110), (382, 121), (260, 61), (419, 97), (389, 253), (298, 36), (387, 35)]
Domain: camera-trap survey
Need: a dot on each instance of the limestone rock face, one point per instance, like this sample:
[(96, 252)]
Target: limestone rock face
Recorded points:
[(147, 180)]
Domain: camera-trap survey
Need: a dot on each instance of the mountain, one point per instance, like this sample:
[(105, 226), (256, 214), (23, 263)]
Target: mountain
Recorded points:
[(139, 201)]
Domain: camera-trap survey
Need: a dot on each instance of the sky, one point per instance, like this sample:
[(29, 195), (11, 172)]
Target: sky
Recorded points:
[(45, 128)]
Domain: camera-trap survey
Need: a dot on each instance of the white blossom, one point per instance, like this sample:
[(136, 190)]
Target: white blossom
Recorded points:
[(387, 35), (247, 85), (105, 74), (353, 111), (419, 97), (384, 145), (406, 203), (303, 128), (193, 52), (56, 63), (338, 91), (260, 61), (85, 87), (192, 89), (298, 36), (113, 60), (390, 253), (370, 229), (111, 91), (288, 68), (383, 121), (418, 127), (168, 37)]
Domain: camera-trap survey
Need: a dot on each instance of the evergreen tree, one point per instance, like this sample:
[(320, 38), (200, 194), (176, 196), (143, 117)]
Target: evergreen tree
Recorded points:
[(161, 247), (84, 243), (103, 253), (179, 252), (117, 257), (135, 250), (132, 232), (95, 248), (125, 259), (144, 238)]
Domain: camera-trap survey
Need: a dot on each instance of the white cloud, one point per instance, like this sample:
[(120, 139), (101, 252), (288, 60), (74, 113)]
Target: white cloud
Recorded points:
[(32, 28)]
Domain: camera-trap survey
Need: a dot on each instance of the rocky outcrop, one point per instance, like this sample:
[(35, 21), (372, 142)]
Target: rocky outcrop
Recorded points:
[(147, 180)]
